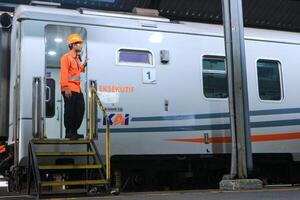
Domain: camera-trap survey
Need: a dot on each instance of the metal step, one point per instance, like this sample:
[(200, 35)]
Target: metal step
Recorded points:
[(65, 153), (52, 167), (60, 141), (81, 182)]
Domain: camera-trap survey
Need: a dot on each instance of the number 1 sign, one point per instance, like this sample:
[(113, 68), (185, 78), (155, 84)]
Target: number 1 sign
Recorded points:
[(149, 76)]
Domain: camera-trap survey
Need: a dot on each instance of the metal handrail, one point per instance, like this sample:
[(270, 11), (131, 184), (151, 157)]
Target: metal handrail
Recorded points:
[(36, 108), (94, 97), (33, 169)]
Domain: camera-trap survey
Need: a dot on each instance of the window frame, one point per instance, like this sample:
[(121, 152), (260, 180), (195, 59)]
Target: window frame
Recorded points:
[(134, 64), (216, 57), (280, 79)]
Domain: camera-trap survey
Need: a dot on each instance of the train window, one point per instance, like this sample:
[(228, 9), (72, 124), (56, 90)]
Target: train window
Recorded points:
[(50, 97), (135, 57), (269, 85), (214, 77)]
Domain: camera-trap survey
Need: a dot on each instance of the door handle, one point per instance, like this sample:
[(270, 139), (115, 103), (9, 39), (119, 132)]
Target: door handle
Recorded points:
[(49, 93), (57, 109)]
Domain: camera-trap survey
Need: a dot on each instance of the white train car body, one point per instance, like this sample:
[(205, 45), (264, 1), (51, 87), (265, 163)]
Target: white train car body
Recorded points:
[(163, 83)]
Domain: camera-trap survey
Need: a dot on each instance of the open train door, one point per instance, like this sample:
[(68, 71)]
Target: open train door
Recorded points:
[(56, 46)]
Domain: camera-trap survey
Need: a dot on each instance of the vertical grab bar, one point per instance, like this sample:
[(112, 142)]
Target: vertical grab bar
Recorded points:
[(36, 108), (91, 114)]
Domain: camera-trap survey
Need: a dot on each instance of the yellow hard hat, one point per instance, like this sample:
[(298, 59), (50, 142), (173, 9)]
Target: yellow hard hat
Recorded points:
[(74, 38)]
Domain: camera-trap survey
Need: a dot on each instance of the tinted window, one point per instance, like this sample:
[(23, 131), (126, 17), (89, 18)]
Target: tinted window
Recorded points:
[(269, 85), (135, 56), (214, 77), (50, 97)]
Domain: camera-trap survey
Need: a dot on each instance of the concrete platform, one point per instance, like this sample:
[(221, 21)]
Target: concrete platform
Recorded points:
[(288, 193), (241, 184)]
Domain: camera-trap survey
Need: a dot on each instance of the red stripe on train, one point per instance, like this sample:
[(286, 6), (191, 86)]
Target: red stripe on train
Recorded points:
[(254, 138)]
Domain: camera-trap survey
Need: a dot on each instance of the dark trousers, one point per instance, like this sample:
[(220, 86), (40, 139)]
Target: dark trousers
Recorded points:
[(74, 110)]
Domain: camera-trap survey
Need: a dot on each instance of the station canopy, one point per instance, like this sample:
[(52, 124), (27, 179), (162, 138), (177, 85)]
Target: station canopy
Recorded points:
[(267, 14)]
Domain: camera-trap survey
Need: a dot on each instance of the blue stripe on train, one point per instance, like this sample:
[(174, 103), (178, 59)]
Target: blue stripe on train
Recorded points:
[(262, 124), (215, 115)]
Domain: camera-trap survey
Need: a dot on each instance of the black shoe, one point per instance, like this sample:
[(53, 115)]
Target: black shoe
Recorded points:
[(68, 136), (76, 136), (79, 136)]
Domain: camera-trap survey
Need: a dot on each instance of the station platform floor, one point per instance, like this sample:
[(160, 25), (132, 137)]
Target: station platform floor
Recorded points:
[(269, 193)]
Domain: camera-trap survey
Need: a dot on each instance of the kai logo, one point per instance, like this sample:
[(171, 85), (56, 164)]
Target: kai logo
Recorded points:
[(117, 119)]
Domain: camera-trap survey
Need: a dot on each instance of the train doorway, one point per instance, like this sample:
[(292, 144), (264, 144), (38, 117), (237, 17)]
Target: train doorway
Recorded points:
[(55, 47)]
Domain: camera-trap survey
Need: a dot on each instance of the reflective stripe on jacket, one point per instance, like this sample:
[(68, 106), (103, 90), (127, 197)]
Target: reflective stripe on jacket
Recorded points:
[(71, 68)]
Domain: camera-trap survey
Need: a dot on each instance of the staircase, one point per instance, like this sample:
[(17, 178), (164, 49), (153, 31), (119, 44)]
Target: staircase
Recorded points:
[(62, 165), (66, 167)]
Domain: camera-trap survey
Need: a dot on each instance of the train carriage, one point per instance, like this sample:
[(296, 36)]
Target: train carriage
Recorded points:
[(163, 84)]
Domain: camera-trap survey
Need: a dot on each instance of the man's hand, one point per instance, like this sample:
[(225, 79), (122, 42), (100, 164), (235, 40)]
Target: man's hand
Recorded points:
[(85, 61), (68, 92)]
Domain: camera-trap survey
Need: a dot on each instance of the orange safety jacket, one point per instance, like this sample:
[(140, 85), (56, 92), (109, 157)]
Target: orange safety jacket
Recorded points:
[(2, 148), (71, 68)]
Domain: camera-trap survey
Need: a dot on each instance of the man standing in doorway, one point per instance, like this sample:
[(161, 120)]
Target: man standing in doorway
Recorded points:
[(71, 67)]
